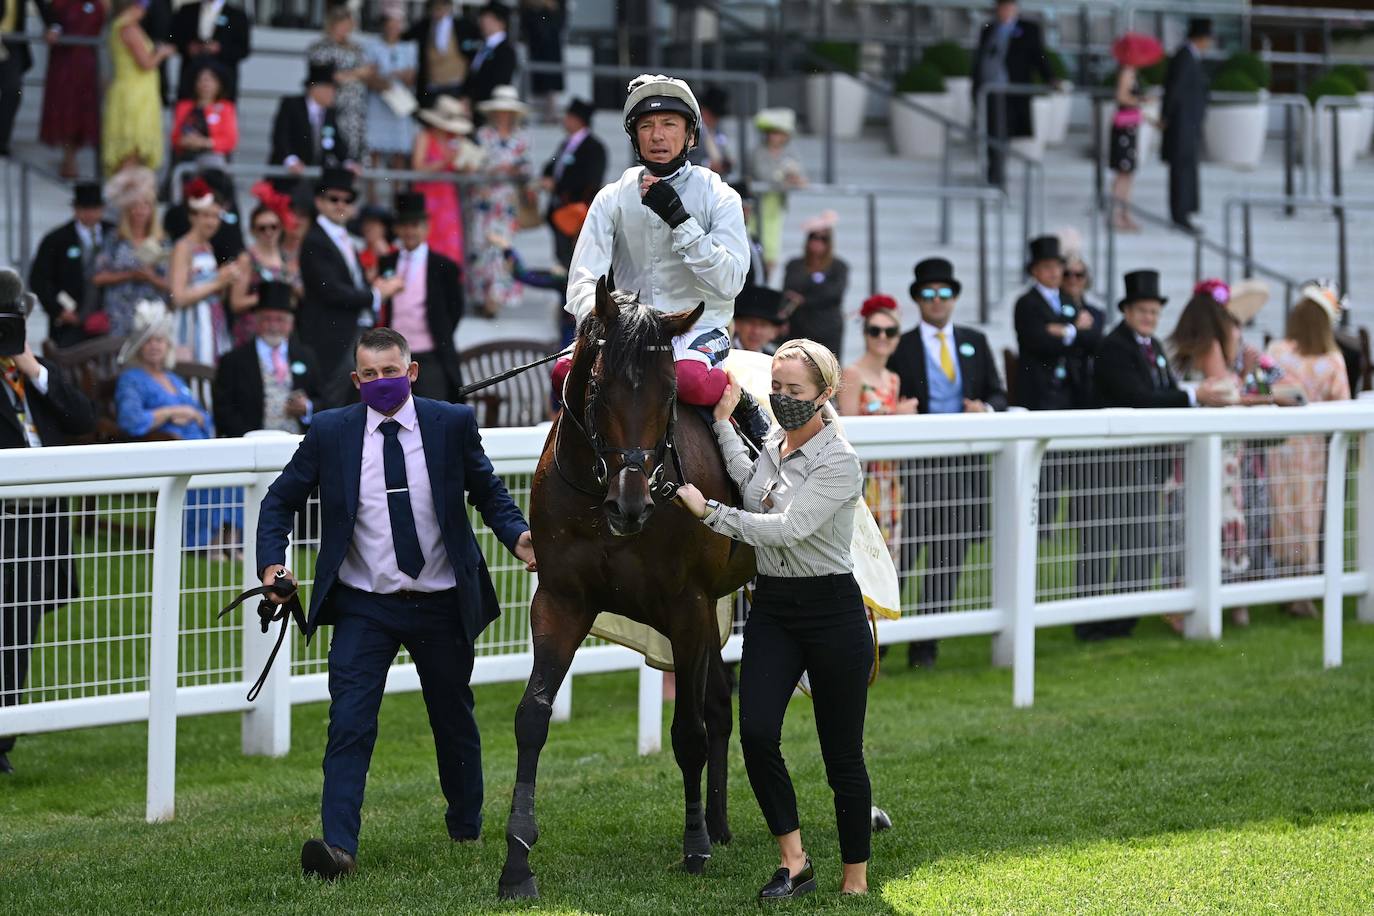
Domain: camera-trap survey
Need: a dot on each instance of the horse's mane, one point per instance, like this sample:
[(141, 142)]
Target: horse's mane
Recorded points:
[(626, 347)]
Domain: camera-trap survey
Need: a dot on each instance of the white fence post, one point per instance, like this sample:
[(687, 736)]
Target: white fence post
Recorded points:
[(650, 710), (1364, 544), (1015, 507), (1202, 536), (164, 629), (267, 725), (1334, 553), (562, 701)]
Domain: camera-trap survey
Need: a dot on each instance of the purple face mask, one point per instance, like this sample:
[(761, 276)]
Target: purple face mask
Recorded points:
[(385, 394)]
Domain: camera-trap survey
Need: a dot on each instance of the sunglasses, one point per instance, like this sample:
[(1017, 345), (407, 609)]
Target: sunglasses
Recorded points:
[(1076, 274), (267, 227), (338, 198), (943, 292), (875, 332)]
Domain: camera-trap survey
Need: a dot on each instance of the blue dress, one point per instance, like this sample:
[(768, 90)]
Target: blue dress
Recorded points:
[(137, 395)]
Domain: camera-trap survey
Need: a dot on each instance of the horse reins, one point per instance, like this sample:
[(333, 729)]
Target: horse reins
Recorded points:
[(268, 612)]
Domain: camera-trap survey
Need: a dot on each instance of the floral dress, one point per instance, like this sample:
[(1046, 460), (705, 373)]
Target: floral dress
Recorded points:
[(489, 279), (201, 333), (350, 109), (1297, 466), (883, 479), (117, 300)]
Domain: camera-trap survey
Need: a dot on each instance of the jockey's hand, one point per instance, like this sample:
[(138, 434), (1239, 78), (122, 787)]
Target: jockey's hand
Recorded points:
[(729, 399), (663, 200), (692, 500), (524, 551)]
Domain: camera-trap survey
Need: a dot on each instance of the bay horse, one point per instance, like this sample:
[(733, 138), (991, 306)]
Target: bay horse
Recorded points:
[(604, 545)]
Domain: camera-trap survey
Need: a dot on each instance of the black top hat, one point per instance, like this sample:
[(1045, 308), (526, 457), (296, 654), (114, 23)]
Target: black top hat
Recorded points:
[(934, 270), (1200, 27), (275, 295), (581, 108), (717, 100), (759, 302), (1141, 284), (88, 194), (319, 74), (499, 10), (333, 179), (1044, 248), (410, 208)]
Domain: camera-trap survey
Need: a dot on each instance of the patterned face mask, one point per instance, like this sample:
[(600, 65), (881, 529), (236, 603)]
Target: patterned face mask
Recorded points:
[(792, 413)]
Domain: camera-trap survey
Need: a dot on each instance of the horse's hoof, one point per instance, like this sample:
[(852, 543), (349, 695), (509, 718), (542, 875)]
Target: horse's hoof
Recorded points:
[(722, 837), (523, 890), (694, 865), (881, 820)]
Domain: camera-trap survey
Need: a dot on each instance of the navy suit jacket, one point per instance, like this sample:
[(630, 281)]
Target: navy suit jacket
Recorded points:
[(330, 458)]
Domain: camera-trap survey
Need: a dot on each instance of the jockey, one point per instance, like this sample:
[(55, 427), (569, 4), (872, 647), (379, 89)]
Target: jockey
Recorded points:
[(673, 232)]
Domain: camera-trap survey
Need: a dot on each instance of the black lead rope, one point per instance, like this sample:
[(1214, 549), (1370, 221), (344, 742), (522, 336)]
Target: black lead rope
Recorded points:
[(268, 612), (509, 373)]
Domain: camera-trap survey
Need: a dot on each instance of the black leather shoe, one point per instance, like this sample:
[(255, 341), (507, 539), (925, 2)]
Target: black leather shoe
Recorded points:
[(785, 885), (329, 863), (5, 765), (752, 421)]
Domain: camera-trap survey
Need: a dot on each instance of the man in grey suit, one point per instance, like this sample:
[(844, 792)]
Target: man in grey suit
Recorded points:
[(1185, 103)]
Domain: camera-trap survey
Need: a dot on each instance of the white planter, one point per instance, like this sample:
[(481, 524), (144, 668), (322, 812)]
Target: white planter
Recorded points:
[(1058, 109), (1351, 122), (850, 97), (1042, 125), (959, 92), (1234, 134), (916, 135), (1366, 133)]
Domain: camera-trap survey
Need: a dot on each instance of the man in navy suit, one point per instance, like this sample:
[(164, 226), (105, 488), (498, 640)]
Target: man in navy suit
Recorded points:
[(398, 566)]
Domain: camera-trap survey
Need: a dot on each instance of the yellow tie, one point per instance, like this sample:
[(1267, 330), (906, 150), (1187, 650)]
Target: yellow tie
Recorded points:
[(946, 360)]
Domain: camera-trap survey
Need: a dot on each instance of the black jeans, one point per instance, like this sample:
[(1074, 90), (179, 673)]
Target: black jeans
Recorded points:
[(817, 625)]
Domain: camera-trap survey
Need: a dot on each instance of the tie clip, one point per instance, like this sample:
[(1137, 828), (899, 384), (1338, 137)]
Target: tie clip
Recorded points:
[(398, 490)]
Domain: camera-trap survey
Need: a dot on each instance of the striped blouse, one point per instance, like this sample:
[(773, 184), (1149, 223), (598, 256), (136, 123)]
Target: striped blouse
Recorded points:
[(799, 510)]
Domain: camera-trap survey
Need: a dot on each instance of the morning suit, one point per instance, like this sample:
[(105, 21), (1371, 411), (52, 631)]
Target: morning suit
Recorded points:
[(441, 299), (491, 67), (946, 506), (336, 303), (1185, 104), (1010, 54), (1127, 374), (294, 135), (37, 574), (231, 32), (239, 391), (15, 63), (63, 264), (374, 607), (578, 171)]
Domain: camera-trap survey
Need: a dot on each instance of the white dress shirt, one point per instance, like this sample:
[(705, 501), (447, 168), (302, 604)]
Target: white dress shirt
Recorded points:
[(370, 564), (704, 259), (209, 15), (483, 55)]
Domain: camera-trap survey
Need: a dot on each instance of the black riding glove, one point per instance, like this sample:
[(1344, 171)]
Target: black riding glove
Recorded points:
[(663, 200)]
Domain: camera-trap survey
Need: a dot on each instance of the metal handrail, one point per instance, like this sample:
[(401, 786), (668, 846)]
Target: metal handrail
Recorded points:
[(1337, 206), (19, 206)]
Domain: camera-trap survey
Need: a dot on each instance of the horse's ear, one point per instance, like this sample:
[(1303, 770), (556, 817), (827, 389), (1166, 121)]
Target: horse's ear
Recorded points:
[(677, 323), (606, 308)]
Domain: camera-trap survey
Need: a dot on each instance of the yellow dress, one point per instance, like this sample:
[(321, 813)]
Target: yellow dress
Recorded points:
[(133, 109)]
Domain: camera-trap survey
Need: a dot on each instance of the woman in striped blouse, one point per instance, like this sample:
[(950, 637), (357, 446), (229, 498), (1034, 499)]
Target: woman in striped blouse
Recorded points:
[(808, 613)]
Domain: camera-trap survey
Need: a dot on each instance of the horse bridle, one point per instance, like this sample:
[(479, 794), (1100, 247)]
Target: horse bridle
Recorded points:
[(634, 459)]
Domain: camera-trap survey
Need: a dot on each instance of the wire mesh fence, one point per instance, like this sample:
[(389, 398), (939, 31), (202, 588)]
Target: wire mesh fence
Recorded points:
[(936, 515)]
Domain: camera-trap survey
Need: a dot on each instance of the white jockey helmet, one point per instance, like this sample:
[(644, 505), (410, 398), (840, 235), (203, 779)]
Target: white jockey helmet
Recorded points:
[(650, 94)]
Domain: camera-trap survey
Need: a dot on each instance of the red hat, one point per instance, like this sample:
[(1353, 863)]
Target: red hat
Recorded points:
[(877, 303)]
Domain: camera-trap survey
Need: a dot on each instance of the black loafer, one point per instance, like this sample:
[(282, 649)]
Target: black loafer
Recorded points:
[(329, 863), (785, 886)]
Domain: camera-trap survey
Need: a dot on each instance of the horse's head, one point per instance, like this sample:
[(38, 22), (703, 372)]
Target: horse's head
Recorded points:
[(626, 351)]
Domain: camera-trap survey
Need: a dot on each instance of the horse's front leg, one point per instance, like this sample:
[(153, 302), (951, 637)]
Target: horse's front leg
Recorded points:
[(557, 626), (720, 721), (690, 661)]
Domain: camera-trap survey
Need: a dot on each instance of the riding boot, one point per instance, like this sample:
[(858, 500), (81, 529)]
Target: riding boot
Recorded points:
[(751, 420)]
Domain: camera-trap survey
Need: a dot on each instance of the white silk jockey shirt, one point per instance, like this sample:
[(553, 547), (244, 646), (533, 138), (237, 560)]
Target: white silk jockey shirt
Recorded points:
[(703, 260)]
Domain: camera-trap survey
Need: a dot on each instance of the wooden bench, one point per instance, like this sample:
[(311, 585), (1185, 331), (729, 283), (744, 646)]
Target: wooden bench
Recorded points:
[(519, 401)]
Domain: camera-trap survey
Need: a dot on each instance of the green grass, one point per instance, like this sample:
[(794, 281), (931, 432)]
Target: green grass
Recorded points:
[(1152, 776)]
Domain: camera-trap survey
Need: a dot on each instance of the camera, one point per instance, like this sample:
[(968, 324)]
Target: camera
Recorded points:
[(15, 305)]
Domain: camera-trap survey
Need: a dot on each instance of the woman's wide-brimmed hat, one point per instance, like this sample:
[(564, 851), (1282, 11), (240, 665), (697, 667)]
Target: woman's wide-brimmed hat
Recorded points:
[(1326, 294), (504, 98), (822, 223), (131, 185), (151, 319), (782, 120), (1248, 297), (447, 113)]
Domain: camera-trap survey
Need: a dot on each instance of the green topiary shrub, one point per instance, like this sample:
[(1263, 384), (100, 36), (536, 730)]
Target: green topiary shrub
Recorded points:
[(949, 59), (1234, 79), (1154, 74), (1251, 66), (1353, 74), (843, 56), (1057, 66), (1330, 84), (923, 78)]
